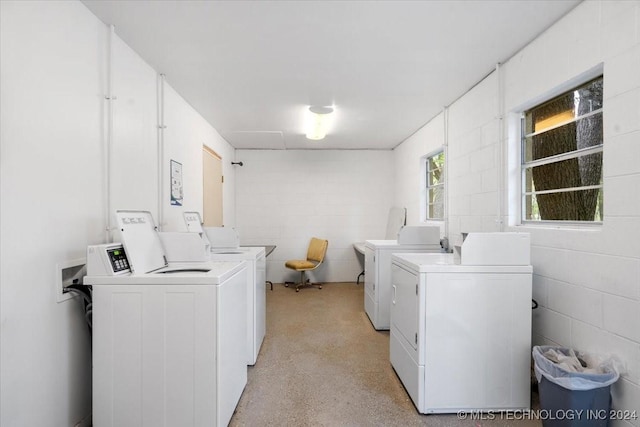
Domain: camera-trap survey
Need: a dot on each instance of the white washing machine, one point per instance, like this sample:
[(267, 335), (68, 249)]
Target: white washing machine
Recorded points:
[(223, 244), (256, 294), (377, 267), (169, 340), (460, 336)]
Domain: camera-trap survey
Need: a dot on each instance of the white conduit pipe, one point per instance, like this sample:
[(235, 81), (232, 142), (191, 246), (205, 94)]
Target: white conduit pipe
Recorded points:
[(160, 148), (110, 98), (501, 167), (445, 115)]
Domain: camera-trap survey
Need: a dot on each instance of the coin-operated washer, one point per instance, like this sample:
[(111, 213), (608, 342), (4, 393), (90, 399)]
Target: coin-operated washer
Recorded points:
[(377, 267), (223, 244), (460, 335), (169, 340)]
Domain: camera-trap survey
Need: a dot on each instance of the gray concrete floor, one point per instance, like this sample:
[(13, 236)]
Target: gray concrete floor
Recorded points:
[(323, 364)]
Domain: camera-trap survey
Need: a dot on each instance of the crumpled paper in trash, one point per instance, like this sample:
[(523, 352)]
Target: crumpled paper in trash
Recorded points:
[(576, 370), (573, 363)]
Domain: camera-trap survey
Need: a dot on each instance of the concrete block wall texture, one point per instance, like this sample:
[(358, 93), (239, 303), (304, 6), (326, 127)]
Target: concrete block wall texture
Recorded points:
[(408, 169), (589, 278), (285, 197), (473, 161), (586, 279)]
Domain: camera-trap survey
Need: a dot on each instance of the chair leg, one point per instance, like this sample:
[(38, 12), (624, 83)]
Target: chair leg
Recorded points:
[(305, 282), (302, 282)]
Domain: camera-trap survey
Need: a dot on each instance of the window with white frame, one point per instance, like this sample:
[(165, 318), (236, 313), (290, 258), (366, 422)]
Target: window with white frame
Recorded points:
[(435, 186), (562, 157)]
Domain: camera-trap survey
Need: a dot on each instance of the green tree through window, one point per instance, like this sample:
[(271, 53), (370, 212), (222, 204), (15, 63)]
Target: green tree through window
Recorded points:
[(562, 157), (435, 186)]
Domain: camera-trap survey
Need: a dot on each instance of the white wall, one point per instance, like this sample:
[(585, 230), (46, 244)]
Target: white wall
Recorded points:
[(285, 197), (51, 153), (53, 81), (185, 134), (134, 148), (470, 136), (135, 183), (587, 280), (473, 161), (408, 168)]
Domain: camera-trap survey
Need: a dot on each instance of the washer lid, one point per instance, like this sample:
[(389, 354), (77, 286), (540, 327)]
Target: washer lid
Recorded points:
[(141, 241), (193, 221)]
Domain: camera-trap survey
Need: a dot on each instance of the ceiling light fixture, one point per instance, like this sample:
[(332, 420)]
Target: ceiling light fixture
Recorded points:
[(318, 122)]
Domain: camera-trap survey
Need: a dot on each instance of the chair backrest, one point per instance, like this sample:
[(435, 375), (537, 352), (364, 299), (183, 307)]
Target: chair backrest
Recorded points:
[(317, 249), (397, 218)]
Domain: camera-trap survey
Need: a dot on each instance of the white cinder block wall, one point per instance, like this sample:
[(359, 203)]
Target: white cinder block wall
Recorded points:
[(473, 161), (53, 113), (586, 279), (53, 82), (285, 197), (409, 170)]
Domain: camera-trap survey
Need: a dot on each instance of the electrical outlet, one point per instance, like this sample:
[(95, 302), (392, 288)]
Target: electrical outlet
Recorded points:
[(69, 273)]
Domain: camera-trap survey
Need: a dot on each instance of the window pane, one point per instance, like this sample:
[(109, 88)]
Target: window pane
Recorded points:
[(531, 208), (580, 205), (583, 133), (573, 103), (556, 137), (435, 186), (437, 161), (579, 172), (436, 195), (436, 211), (435, 177)]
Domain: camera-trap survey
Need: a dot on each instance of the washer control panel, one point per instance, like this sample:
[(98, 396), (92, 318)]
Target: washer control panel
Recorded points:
[(107, 260), (118, 259)]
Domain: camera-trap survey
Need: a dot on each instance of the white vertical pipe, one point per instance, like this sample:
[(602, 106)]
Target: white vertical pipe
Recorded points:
[(160, 146), (501, 167), (110, 99), (445, 115)]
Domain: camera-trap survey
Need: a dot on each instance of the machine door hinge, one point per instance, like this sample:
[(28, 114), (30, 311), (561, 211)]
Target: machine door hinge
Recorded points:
[(374, 286), (416, 338), (222, 179), (416, 289)]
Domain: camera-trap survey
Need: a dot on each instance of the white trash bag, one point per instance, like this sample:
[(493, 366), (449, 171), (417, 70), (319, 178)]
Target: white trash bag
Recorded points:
[(574, 370)]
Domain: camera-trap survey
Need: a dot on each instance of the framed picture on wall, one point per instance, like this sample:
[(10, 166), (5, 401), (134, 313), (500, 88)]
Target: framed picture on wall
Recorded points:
[(176, 183)]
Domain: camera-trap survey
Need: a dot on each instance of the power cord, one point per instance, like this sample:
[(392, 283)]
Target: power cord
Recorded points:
[(85, 293)]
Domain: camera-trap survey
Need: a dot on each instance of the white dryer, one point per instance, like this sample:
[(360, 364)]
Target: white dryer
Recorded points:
[(460, 336), (169, 340)]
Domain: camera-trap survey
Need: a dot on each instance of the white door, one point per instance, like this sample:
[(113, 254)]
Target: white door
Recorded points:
[(211, 188), (404, 304)]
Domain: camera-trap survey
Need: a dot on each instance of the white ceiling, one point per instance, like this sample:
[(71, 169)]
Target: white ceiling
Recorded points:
[(251, 68)]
